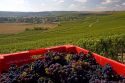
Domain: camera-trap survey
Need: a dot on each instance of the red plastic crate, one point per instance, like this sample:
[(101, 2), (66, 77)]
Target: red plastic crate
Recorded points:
[(21, 58)]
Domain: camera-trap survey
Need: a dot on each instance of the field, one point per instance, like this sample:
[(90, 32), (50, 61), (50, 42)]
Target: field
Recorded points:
[(98, 33), (13, 28)]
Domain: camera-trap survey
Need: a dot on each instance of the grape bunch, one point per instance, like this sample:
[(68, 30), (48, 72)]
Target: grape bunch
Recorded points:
[(62, 68)]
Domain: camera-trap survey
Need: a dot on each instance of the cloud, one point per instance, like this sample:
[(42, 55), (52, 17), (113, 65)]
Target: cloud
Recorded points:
[(72, 6), (123, 4), (12, 2), (118, 5), (58, 5), (83, 1), (12, 5), (101, 8), (59, 1), (53, 5), (109, 1), (75, 7)]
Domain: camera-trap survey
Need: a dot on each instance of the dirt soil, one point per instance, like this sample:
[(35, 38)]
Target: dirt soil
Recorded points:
[(12, 28)]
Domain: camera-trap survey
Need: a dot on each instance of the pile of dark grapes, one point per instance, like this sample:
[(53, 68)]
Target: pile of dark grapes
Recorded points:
[(62, 68)]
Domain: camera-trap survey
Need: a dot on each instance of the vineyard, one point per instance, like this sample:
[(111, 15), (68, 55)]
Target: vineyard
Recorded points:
[(103, 34)]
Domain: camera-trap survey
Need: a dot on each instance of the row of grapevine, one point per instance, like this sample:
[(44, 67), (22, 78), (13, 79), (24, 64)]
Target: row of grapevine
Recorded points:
[(111, 46)]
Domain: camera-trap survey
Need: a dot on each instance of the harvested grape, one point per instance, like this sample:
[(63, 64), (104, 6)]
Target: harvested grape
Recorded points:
[(62, 68)]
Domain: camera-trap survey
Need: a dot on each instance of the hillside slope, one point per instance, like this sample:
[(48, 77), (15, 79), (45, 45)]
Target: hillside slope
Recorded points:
[(89, 28)]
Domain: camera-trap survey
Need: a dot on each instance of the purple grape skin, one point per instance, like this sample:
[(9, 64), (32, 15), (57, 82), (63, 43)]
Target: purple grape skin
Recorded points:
[(62, 71)]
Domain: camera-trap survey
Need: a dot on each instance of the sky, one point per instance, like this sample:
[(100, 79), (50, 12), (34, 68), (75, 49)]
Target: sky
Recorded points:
[(61, 5)]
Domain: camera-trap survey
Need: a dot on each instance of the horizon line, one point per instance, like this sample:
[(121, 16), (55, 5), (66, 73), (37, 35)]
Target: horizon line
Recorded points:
[(65, 11)]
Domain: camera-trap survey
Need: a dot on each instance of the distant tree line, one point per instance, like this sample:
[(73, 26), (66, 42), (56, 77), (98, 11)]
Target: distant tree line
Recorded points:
[(51, 19)]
